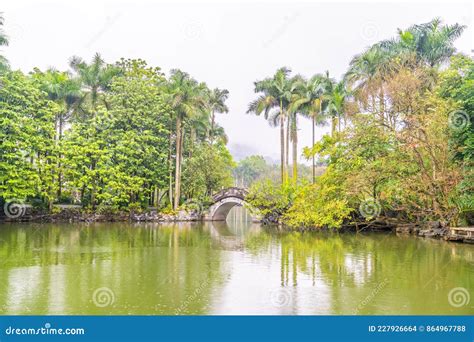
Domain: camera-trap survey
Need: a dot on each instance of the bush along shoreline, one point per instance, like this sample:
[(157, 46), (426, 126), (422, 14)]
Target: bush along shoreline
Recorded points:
[(121, 138), (16, 212), (400, 153), (76, 214)]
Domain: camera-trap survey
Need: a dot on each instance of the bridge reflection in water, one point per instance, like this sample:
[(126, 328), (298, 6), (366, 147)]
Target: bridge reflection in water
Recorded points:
[(230, 234), (224, 268)]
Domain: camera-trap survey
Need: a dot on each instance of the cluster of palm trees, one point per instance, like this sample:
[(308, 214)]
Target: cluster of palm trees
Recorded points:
[(192, 104), (420, 48), (80, 91), (195, 105), (282, 98)]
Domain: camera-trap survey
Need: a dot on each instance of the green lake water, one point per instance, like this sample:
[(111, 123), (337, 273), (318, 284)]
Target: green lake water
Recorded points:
[(227, 268)]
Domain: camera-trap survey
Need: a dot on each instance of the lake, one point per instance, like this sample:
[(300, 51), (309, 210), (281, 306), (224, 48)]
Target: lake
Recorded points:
[(222, 268)]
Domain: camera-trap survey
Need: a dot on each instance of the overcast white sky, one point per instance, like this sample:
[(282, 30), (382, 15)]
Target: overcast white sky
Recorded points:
[(227, 44)]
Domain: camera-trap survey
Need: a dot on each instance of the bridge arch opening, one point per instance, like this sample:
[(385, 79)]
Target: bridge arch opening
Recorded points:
[(224, 201), (221, 209)]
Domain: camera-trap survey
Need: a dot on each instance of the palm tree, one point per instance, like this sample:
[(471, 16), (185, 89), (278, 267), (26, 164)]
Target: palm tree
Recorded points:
[(275, 95), (368, 71), (220, 135), (186, 98), (66, 92), (3, 42), (295, 83), (62, 89), (199, 128), (336, 104), (311, 101), (430, 43), (95, 77), (216, 104), (291, 114)]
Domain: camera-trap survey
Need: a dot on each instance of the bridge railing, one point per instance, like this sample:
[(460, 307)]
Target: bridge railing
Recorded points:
[(230, 192)]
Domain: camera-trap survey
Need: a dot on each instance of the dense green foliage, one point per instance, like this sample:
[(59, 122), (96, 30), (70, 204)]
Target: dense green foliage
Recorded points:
[(400, 149), (119, 155), (270, 199), (29, 155), (255, 168), (124, 136), (458, 83), (110, 137), (207, 170), (250, 169)]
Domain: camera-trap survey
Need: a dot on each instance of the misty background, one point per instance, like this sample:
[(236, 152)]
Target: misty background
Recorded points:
[(227, 44)]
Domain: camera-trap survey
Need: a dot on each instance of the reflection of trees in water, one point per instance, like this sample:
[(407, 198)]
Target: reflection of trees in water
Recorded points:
[(355, 267), (229, 237), (150, 268), (179, 268)]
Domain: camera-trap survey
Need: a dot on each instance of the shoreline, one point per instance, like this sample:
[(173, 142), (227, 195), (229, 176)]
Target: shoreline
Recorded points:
[(76, 215)]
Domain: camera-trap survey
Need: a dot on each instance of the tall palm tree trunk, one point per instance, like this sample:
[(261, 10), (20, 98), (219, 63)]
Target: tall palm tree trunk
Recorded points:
[(170, 166), (287, 150), (282, 148), (294, 129), (313, 124), (382, 106), (60, 137), (333, 125), (212, 128), (193, 135), (177, 182)]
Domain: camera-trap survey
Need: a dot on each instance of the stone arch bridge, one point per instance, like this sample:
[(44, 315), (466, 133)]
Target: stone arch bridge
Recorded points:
[(224, 201)]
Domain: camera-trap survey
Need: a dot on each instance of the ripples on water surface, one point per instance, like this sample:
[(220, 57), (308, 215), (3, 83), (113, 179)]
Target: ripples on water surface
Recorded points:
[(219, 268)]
